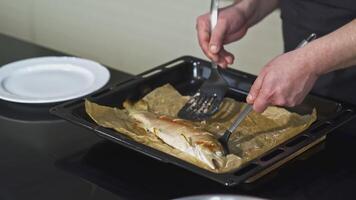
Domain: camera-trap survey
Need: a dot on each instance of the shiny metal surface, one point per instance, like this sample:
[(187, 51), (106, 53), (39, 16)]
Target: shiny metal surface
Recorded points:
[(219, 197), (247, 109), (214, 12)]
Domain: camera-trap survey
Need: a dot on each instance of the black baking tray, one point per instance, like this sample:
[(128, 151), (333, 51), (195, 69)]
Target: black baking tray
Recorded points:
[(186, 74)]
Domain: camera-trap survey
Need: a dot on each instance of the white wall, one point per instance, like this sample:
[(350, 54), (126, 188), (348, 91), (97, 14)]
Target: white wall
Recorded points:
[(130, 35)]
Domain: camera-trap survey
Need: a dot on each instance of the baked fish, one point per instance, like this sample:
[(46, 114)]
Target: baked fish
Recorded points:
[(183, 136)]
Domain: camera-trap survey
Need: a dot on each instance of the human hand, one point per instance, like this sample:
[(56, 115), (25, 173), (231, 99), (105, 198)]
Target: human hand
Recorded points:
[(231, 26), (285, 81)]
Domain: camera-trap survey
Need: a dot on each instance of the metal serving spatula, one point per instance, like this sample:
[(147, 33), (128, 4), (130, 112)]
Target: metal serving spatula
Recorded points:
[(207, 100)]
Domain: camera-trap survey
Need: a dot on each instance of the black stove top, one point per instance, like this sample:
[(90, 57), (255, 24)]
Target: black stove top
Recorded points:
[(43, 157)]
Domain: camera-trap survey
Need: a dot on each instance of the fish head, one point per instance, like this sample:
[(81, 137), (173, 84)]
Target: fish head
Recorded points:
[(210, 151)]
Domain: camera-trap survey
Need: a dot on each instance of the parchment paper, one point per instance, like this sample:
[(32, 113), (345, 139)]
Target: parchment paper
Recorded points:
[(257, 134)]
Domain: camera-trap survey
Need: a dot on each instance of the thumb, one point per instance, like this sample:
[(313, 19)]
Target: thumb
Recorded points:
[(255, 89), (217, 38)]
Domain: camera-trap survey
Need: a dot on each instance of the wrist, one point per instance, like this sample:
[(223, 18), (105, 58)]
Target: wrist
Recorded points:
[(310, 61), (256, 10), (248, 8), (320, 56), (334, 51)]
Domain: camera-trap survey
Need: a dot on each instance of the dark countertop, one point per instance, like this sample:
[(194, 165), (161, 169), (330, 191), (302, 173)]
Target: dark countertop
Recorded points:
[(43, 157)]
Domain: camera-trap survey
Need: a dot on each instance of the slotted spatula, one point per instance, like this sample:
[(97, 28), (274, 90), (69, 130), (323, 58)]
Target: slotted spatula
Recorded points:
[(207, 100)]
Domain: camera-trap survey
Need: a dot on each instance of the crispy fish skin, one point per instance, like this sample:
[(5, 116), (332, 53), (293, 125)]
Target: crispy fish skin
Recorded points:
[(174, 132)]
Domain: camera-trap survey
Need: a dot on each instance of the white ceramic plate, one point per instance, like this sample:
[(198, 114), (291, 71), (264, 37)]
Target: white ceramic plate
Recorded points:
[(51, 79)]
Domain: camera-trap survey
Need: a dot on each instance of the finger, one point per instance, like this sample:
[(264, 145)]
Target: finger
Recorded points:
[(223, 64), (225, 58), (217, 37), (255, 89), (203, 39), (291, 102), (279, 101), (203, 34), (203, 31), (300, 101), (261, 103), (235, 36), (228, 57)]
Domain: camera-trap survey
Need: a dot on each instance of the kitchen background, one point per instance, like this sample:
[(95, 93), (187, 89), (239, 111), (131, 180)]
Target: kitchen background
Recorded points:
[(130, 35)]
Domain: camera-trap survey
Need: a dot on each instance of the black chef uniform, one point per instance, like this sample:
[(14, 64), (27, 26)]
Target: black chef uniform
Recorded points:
[(300, 18)]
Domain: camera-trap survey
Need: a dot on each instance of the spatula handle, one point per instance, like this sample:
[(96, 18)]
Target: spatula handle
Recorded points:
[(214, 13), (246, 110)]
